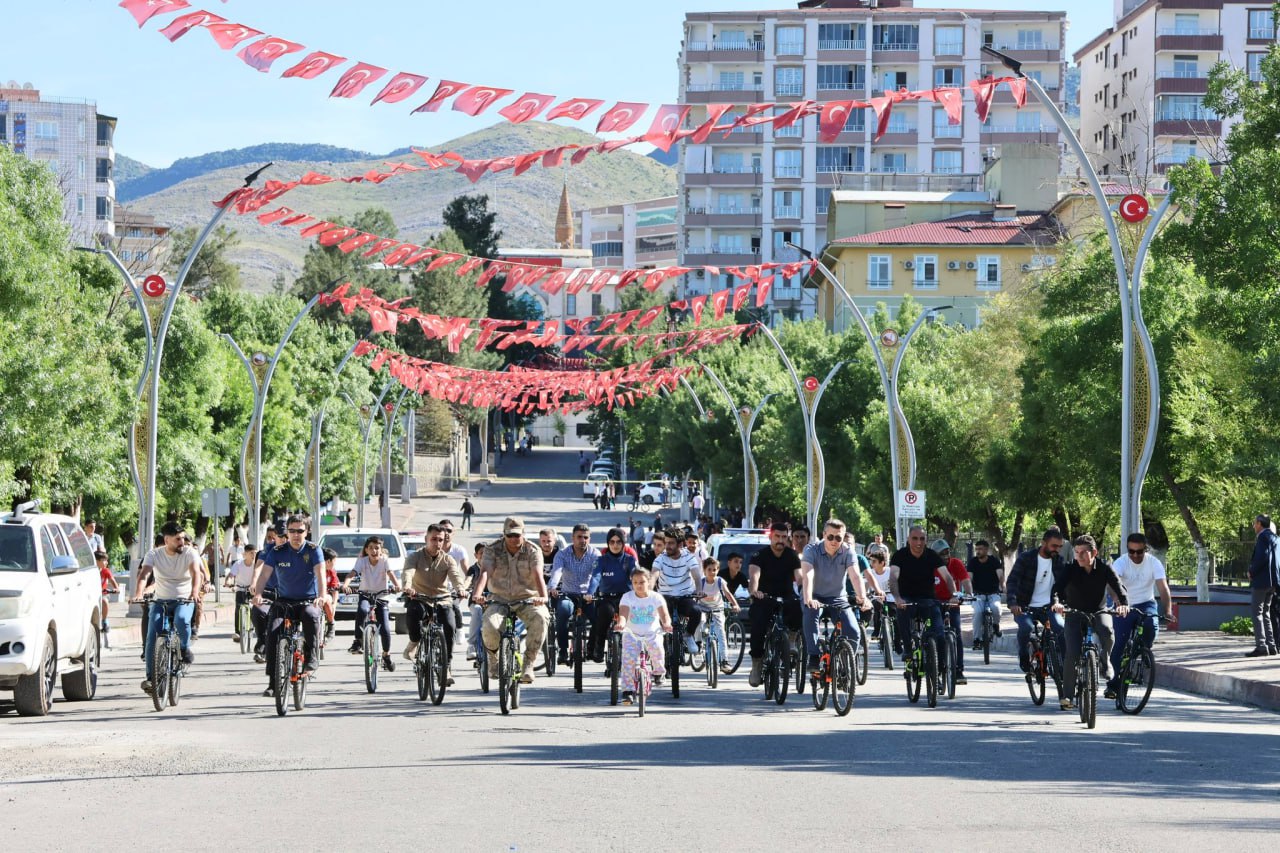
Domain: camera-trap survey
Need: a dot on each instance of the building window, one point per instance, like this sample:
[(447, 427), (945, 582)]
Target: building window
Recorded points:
[(1028, 121), (104, 170), (948, 76), (729, 244), (1186, 67), (787, 204), (1262, 24), (729, 163), (896, 37), (893, 162), (4, 128), (80, 130), (1183, 151), (103, 208), (1186, 24), (1030, 40), (892, 81), (789, 41), (839, 158), (788, 80), (46, 130), (732, 81), (842, 37), (126, 255), (822, 196), (845, 77), (1183, 108), (597, 304), (788, 163), (943, 128), (926, 277), (608, 249), (143, 257), (856, 122), (783, 252), (948, 162), (948, 41), (795, 130), (104, 133), (571, 304), (80, 205), (1253, 62), (879, 272), (988, 272), (80, 168)]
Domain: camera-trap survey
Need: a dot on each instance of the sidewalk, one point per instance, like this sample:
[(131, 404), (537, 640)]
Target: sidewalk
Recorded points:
[(127, 631)]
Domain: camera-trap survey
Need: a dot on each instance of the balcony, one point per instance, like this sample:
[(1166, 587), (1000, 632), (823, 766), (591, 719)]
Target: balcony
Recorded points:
[(697, 256), (879, 284), (724, 51), (910, 182), (739, 178), (788, 172), (899, 134), (948, 131), (1182, 82), (887, 52), (988, 284), (739, 136), (722, 217), (1032, 51), (1260, 34), (1188, 40), (949, 48), (1206, 124), (1166, 162), (790, 211), (782, 90), (842, 44), (789, 48), (719, 93), (1009, 133), (925, 283)]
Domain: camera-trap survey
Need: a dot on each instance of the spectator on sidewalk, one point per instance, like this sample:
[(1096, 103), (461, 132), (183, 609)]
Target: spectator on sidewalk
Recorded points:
[(1264, 577), (468, 510), (95, 538)]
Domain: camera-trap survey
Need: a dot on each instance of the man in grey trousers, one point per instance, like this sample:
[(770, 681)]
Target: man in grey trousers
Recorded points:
[(1264, 578)]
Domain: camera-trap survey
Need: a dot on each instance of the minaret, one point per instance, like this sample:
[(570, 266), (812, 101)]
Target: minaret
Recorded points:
[(564, 221)]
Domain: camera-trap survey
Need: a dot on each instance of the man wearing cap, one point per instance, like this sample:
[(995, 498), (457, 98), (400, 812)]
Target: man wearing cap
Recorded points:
[(960, 584), (511, 570)]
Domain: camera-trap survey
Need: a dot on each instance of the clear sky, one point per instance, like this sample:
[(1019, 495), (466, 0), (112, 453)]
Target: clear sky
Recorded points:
[(190, 97)]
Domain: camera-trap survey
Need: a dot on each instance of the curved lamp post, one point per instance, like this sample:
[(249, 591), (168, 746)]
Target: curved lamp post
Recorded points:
[(745, 419), (1139, 407), (366, 423), (260, 368), (388, 428), (312, 473)]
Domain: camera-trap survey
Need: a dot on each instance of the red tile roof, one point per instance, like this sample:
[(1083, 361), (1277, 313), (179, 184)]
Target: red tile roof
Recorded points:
[(968, 229)]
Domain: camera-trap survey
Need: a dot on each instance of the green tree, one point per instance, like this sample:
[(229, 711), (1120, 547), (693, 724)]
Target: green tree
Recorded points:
[(211, 268), (469, 217)]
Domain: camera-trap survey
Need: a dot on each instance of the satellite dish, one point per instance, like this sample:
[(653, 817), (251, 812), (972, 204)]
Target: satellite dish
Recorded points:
[(28, 86), (13, 84)]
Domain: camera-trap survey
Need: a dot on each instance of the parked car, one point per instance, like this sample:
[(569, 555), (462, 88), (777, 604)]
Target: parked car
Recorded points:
[(744, 541), (589, 484), (348, 543), (651, 493), (49, 615)]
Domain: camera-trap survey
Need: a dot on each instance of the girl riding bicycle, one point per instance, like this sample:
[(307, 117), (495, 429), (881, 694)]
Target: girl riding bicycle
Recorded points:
[(645, 614), (372, 569)]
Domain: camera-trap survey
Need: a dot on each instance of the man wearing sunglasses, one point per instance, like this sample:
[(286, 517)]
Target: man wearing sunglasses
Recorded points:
[(1144, 578), (913, 571), (825, 567), (298, 568)]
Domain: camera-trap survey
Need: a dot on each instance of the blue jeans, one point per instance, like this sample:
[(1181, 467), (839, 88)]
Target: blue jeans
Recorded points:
[(563, 607), (1025, 620), (1147, 612), (981, 604), (930, 609), (155, 624), (810, 618), (715, 626), (383, 615)]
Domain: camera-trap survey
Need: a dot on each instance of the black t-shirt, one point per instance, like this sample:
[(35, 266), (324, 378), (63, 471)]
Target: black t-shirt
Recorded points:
[(777, 574), (735, 582), (983, 575), (915, 574)]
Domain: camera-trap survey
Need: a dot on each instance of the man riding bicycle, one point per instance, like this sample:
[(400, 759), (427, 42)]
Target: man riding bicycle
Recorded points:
[(433, 570), (174, 569), (298, 569), (1144, 578), (572, 574), (1029, 590), (825, 566), (678, 574), (773, 572), (913, 571), (511, 569), (1083, 587)]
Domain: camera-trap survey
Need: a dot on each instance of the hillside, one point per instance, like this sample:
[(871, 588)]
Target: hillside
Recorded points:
[(127, 171), (526, 205)]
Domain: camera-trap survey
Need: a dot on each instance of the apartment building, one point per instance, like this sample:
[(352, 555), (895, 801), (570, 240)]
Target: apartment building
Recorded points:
[(636, 235), (744, 196), (141, 243), (1143, 80), (75, 141)]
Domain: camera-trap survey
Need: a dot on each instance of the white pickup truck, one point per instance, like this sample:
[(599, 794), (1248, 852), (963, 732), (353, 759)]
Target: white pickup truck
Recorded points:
[(49, 614)]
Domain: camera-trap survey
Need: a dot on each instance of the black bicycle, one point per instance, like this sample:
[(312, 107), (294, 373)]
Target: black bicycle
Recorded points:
[(674, 645), (1086, 674), (431, 660), (836, 673), (550, 645), (884, 614), (510, 657), (779, 657), (613, 663), (372, 642), (1137, 672), (1043, 656), (578, 630), (984, 635), (167, 668), (921, 666), (735, 640), (290, 669), (948, 655)]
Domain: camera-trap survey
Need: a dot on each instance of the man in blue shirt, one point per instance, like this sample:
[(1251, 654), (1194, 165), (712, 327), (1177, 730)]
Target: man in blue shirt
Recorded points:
[(572, 577), (298, 569)]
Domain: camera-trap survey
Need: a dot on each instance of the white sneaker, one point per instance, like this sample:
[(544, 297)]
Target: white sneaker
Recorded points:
[(410, 650), (471, 653)]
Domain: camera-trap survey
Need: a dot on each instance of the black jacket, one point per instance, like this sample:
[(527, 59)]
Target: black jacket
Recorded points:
[(1021, 582)]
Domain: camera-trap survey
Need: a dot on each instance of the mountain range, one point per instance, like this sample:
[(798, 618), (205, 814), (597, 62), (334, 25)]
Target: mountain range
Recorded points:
[(181, 195)]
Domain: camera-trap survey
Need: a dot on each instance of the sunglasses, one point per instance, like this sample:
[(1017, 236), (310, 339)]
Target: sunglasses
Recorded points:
[(1137, 550), (835, 538), (446, 529), (514, 535), (297, 530)]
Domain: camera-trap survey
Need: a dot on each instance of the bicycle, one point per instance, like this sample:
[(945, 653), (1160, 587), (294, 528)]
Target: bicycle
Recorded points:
[(921, 664), (643, 681), (779, 657), (862, 657), (709, 656), (673, 645), (735, 640), (835, 675), (510, 657), (1044, 658), (1086, 674), (373, 650), (577, 639), (1137, 671), (167, 667), (948, 660), (290, 668), (613, 664), (885, 613), (550, 646), (244, 619), (984, 637), (431, 660)]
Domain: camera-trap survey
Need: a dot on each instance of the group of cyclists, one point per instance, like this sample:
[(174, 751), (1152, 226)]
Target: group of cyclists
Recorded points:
[(791, 579)]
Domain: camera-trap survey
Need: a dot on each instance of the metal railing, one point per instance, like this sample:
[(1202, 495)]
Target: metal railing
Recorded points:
[(790, 48), (924, 283), (842, 44), (1262, 32), (879, 284), (1013, 128), (1188, 31), (727, 45), (723, 211), (736, 170), (988, 284), (725, 87), (830, 86), (1182, 75), (948, 131), (949, 48), (787, 171), (1020, 45), (789, 132), (1187, 114), (897, 46), (788, 89), (788, 211)]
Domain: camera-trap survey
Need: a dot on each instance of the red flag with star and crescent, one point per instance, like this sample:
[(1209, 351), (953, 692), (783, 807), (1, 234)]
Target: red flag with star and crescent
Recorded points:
[(145, 10)]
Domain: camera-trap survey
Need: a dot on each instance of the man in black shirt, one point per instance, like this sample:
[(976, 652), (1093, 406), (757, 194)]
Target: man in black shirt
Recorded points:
[(773, 574), (1083, 588), (734, 577), (987, 574), (911, 578)]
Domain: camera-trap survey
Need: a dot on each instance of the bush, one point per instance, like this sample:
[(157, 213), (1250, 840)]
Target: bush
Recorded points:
[(1241, 626)]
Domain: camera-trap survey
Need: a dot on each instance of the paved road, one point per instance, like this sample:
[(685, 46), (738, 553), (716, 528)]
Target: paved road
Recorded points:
[(717, 769)]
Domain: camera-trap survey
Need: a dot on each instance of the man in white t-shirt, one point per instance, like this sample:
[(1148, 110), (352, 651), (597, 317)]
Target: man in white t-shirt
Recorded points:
[(677, 573), (1144, 579), (174, 570), (240, 578), (1029, 590)]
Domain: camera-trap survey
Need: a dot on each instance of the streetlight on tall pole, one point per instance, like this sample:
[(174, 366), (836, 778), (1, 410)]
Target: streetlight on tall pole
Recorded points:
[(367, 415), (745, 420), (391, 413), (312, 475), (1139, 377)]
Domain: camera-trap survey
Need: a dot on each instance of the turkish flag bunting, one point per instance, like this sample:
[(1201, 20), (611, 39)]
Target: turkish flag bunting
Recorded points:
[(469, 267), (145, 10), (265, 51), (444, 261), (184, 24), (620, 116), (379, 246), (359, 241), (835, 114), (574, 108), (1018, 88), (696, 305), (793, 115), (625, 320), (229, 35), (762, 291), (952, 100), (477, 99), (719, 300), (317, 229), (334, 236), (753, 111), (526, 107), (490, 271), (668, 120), (445, 90), (398, 255), (714, 112), (650, 314), (883, 107), (296, 220), (740, 296), (525, 162), (382, 320), (355, 78), (275, 215), (400, 87), (982, 92), (314, 64), (553, 285)]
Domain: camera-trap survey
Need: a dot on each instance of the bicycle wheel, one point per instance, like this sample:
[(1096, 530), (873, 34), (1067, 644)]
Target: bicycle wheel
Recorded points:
[(160, 673), (515, 685), (699, 660), (886, 641), (175, 673), (578, 652), (300, 692), (931, 671), (1035, 673), (643, 685), (713, 663), (949, 665), (437, 669), (821, 685), (422, 667), (862, 660), (988, 632), (506, 669), (372, 655), (911, 671), (771, 672), (483, 669), (1136, 681), (735, 645), (798, 666), (615, 667), (843, 677), (1089, 689), (280, 684), (549, 648), (677, 654), (785, 663), (244, 626)]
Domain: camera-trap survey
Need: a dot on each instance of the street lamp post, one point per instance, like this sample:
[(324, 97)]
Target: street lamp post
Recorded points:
[(1140, 406), (260, 368), (745, 419), (366, 424), (313, 476), (388, 428)]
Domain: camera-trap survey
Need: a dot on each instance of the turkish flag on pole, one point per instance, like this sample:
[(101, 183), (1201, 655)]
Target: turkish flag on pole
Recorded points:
[(316, 63), (719, 300), (403, 85), (620, 116), (265, 51), (184, 24), (477, 99), (355, 78), (982, 92), (526, 107), (832, 121), (445, 90), (229, 35), (574, 108), (145, 10)]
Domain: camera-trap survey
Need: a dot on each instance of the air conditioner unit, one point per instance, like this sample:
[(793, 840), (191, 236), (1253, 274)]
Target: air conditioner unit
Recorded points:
[(908, 265), (970, 265), (1027, 267), (700, 273), (953, 265)]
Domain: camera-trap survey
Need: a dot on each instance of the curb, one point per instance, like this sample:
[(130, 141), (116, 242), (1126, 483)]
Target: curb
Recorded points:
[(1215, 685), (128, 631)]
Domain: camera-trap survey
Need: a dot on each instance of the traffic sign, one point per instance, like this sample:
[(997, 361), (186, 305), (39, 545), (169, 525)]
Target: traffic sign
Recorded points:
[(910, 503), (215, 503), (1134, 208)]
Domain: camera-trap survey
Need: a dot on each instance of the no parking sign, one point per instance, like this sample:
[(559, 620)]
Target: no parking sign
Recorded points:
[(910, 503)]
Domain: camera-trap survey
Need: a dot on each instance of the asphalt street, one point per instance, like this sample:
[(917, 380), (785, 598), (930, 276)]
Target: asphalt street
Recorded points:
[(717, 769)]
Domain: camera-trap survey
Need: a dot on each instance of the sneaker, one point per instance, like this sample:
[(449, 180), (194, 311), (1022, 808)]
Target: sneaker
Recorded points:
[(259, 658), (657, 681), (268, 692), (259, 650), (977, 645), (355, 648), (628, 698), (328, 632), (998, 633), (1066, 704), (235, 638), (1271, 650), (526, 677), (960, 679), (1110, 692), (448, 677), (195, 635), (562, 659), (471, 654), (388, 664), (148, 688), (725, 668), (757, 669), (187, 657), (310, 666), (410, 650), (1259, 652)]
